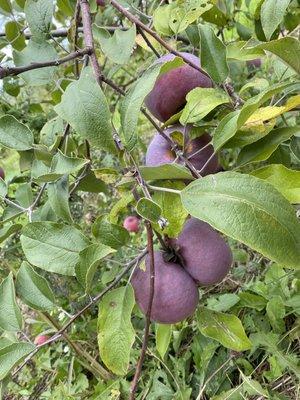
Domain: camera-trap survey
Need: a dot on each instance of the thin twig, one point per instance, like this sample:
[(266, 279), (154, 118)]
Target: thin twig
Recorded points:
[(148, 313), (149, 44), (13, 71)]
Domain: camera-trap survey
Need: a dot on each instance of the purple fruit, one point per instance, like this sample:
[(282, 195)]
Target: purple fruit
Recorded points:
[(101, 3), (169, 92), (256, 63), (2, 173), (175, 293), (159, 151), (206, 255)]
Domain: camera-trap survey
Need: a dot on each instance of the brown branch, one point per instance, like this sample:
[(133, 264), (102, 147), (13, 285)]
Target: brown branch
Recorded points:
[(88, 38), (93, 301), (139, 365), (149, 44), (140, 24), (13, 71), (75, 38)]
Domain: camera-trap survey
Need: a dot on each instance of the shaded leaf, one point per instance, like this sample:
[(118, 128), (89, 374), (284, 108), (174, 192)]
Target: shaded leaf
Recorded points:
[(10, 315), (11, 355)]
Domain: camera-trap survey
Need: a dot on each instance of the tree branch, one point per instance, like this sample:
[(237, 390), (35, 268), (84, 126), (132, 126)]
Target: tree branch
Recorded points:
[(139, 365), (13, 71)]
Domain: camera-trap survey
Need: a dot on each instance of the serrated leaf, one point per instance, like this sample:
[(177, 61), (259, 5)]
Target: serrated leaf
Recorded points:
[(200, 102), (36, 51), (287, 49), (225, 328), (39, 16), (286, 181), (14, 36), (213, 54), (148, 209), (85, 108), (132, 102), (171, 208), (115, 331), (33, 289), (11, 355), (249, 210), (185, 13), (52, 246), (265, 147), (163, 334), (117, 47), (112, 235), (89, 260), (10, 315), (14, 134), (271, 14), (58, 194), (165, 171)]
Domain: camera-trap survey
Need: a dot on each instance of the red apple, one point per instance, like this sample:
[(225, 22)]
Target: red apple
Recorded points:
[(131, 224), (170, 90), (41, 339)]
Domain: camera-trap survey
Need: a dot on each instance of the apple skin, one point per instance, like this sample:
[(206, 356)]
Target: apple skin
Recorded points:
[(2, 173), (175, 293), (159, 151), (256, 63), (41, 339), (206, 255), (131, 224), (168, 94)]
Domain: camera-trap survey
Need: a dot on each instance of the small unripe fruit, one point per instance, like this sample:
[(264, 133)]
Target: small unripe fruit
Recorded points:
[(159, 151), (256, 63), (175, 293), (131, 224), (2, 173), (206, 256), (169, 92), (41, 339)]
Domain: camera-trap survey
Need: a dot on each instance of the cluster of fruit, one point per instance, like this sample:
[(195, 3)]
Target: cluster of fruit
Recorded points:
[(200, 254)]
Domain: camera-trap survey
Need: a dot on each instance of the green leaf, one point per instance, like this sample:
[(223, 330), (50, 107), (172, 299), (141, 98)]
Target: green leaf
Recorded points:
[(53, 247), (166, 171), (276, 312), (271, 14), (233, 121), (89, 260), (265, 147), (36, 51), (213, 54), (14, 134), (249, 210), (200, 102), (225, 328), (14, 36), (251, 300), (186, 13), (239, 51), (132, 102), (8, 230), (58, 194), (286, 181), (120, 205), (295, 147), (148, 209), (39, 16), (115, 331), (85, 108), (10, 315), (33, 289), (163, 333), (117, 47), (161, 19), (171, 208), (13, 354), (287, 49), (112, 235), (3, 188)]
